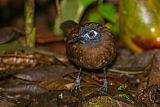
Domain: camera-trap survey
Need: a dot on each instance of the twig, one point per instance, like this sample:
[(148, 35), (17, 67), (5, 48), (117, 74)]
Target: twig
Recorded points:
[(125, 72), (58, 8)]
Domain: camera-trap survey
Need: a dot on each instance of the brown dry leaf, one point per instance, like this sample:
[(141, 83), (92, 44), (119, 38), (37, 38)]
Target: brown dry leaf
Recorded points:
[(152, 72), (89, 91), (17, 86), (68, 82), (57, 84), (44, 73), (154, 76), (48, 99), (133, 62), (19, 60), (88, 85), (105, 101), (9, 34), (24, 89), (150, 96), (6, 104), (48, 38), (51, 42)]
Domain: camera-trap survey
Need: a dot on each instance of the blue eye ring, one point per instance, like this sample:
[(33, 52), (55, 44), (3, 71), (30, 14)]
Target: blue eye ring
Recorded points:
[(87, 36), (91, 35)]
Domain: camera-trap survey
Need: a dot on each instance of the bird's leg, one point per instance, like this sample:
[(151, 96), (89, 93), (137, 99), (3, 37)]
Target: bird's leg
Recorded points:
[(78, 81), (104, 88)]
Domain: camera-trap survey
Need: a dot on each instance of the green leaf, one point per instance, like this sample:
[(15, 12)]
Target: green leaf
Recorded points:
[(86, 3), (69, 9), (95, 17), (115, 28), (108, 11), (121, 88), (127, 97)]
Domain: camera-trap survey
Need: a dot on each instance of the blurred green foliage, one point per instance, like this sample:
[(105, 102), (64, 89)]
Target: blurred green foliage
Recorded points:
[(70, 10), (95, 17), (86, 3), (140, 24), (106, 11), (126, 97), (74, 10), (121, 88)]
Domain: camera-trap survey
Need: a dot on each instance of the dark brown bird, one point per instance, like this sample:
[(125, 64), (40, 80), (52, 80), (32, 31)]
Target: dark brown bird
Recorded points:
[(89, 46)]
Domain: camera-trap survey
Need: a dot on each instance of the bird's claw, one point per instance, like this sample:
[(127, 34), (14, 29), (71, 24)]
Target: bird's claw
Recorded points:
[(77, 84), (103, 90)]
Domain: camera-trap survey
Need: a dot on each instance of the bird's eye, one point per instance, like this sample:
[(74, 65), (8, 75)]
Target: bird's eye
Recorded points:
[(91, 34)]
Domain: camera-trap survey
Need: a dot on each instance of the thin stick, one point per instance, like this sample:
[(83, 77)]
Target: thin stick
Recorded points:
[(125, 72), (58, 8), (29, 23)]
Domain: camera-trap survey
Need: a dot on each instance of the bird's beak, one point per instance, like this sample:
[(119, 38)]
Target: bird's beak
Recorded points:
[(75, 39)]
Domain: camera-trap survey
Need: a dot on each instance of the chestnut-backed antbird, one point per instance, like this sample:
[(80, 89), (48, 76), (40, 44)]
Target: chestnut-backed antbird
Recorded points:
[(89, 46)]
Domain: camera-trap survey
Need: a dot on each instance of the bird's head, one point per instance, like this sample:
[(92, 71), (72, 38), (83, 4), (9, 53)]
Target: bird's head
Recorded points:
[(86, 36)]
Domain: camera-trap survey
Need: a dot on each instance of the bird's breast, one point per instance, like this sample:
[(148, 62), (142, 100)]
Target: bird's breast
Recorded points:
[(90, 56)]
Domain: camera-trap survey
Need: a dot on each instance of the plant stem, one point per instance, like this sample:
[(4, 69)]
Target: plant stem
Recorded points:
[(29, 23), (58, 19)]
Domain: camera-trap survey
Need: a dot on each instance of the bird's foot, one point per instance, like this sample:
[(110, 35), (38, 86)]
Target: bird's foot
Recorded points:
[(103, 90), (77, 84)]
